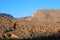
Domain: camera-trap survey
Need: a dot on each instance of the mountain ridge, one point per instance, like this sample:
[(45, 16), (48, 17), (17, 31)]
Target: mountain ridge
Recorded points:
[(41, 23)]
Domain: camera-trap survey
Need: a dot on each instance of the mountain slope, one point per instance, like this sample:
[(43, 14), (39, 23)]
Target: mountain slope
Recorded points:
[(42, 23)]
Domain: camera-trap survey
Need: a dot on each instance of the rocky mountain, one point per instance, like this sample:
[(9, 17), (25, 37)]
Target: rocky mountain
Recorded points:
[(8, 15), (47, 15), (43, 23)]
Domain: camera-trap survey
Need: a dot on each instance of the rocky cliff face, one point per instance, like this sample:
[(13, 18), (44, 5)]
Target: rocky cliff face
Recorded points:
[(41, 23), (47, 15)]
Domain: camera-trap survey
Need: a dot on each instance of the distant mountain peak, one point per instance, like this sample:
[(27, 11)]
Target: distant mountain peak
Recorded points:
[(5, 14)]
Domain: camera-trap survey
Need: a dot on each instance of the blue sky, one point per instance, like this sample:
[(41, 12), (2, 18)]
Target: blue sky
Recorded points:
[(22, 8)]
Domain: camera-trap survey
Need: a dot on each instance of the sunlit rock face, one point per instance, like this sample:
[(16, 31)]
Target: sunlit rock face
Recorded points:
[(47, 15), (41, 23), (50, 17)]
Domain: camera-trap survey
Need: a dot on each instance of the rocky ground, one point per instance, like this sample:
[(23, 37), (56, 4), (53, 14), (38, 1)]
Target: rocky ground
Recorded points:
[(43, 24)]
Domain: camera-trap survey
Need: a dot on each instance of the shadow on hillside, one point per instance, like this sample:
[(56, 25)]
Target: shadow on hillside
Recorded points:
[(39, 38), (8, 15)]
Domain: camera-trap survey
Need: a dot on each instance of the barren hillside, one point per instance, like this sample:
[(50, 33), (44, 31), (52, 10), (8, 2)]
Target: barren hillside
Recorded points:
[(42, 23)]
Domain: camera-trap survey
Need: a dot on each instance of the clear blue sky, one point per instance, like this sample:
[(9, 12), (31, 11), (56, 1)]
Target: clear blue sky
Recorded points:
[(22, 8)]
